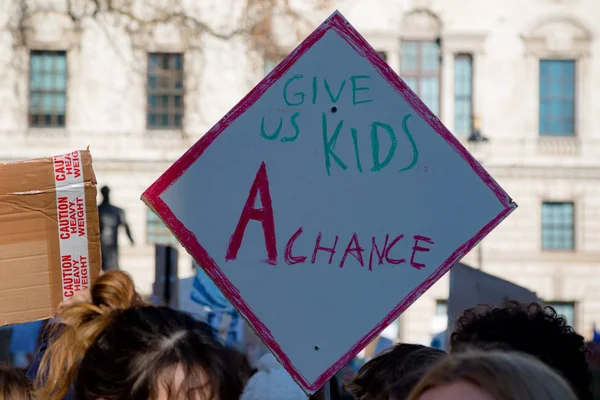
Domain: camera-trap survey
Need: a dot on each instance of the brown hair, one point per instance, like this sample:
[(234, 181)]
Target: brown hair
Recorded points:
[(402, 363), (14, 384), (83, 322), (505, 376), (146, 350)]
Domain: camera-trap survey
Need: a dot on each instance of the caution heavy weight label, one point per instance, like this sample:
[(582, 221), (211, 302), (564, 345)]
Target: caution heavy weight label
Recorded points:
[(72, 223)]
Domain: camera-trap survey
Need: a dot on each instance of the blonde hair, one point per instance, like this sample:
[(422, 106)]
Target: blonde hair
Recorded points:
[(505, 376), (112, 293), (14, 384)]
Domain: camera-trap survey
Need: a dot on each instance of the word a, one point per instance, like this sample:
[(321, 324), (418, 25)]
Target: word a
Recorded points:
[(381, 248)]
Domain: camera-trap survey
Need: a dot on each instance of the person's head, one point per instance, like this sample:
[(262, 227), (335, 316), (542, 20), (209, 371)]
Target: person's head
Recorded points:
[(116, 347), (112, 291), (105, 192), (401, 364), (14, 385), (531, 329), (157, 353), (491, 376)]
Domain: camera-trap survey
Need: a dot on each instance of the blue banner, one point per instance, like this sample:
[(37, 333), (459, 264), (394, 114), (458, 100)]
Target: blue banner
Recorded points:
[(221, 314)]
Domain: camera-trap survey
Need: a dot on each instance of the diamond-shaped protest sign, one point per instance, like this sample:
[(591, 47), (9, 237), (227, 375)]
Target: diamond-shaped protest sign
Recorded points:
[(327, 201)]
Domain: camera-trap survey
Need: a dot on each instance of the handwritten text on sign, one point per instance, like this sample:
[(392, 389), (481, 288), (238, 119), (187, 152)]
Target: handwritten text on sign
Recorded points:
[(391, 249), (295, 92)]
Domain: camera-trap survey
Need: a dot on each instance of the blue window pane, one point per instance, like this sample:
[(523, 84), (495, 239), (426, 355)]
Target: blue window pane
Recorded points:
[(35, 82), (48, 104), (47, 82), (48, 62), (177, 61), (430, 93), (36, 62), (61, 103), (430, 56), (409, 56), (60, 82), (558, 226), (463, 81), (153, 63), (420, 69), (557, 98), (61, 64), (47, 87), (412, 83), (165, 90)]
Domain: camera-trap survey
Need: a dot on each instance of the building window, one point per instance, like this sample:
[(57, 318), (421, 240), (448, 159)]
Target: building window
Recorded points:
[(156, 231), (558, 226), (441, 307), (47, 89), (420, 69), (557, 98), (383, 55), (565, 309), (165, 91), (463, 94)]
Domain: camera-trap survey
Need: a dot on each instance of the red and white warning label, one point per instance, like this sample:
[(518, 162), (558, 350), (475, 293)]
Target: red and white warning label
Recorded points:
[(72, 223)]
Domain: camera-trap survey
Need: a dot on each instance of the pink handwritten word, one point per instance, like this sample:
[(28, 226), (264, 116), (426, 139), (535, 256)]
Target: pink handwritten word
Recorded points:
[(391, 249)]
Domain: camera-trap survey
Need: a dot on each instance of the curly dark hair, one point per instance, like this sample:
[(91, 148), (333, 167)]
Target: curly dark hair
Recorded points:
[(402, 364), (528, 328)]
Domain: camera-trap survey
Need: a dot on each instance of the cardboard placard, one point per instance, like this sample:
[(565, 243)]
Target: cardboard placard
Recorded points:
[(49, 234)]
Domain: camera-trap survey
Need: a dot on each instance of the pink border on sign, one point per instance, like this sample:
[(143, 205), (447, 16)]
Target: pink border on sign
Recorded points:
[(152, 196)]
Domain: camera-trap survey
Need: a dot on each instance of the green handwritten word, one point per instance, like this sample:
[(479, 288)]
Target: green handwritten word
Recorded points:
[(296, 90), (329, 143), (275, 134)]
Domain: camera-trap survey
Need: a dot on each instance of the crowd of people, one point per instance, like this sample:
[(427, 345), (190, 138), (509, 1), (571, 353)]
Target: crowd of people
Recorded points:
[(109, 344)]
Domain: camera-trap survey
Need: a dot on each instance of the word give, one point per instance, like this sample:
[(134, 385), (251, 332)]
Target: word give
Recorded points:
[(331, 138)]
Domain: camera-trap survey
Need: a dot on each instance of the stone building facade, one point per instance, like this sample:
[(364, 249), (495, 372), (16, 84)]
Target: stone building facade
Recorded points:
[(523, 70)]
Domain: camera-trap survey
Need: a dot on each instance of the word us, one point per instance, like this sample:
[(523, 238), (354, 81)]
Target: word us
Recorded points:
[(331, 131)]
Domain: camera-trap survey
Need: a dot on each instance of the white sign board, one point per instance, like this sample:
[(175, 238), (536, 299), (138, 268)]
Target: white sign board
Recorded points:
[(327, 201), (470, 288)]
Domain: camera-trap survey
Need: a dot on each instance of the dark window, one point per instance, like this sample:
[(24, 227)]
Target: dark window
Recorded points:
[(557, 98), (558, 226), (463, 94), (165, 91), (156, 231), (565, 309), (420, 69), (47, 89)]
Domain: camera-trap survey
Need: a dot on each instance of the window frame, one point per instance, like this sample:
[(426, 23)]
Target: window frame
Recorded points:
[(30, 92), (575, 96), (573, 227), (170, 111), (471, 58), (419, 75)]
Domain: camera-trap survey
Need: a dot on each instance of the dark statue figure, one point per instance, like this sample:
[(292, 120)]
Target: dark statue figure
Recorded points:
[(111, 219)]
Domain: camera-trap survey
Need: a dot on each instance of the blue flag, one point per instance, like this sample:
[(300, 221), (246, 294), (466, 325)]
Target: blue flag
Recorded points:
[(221, 314)]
